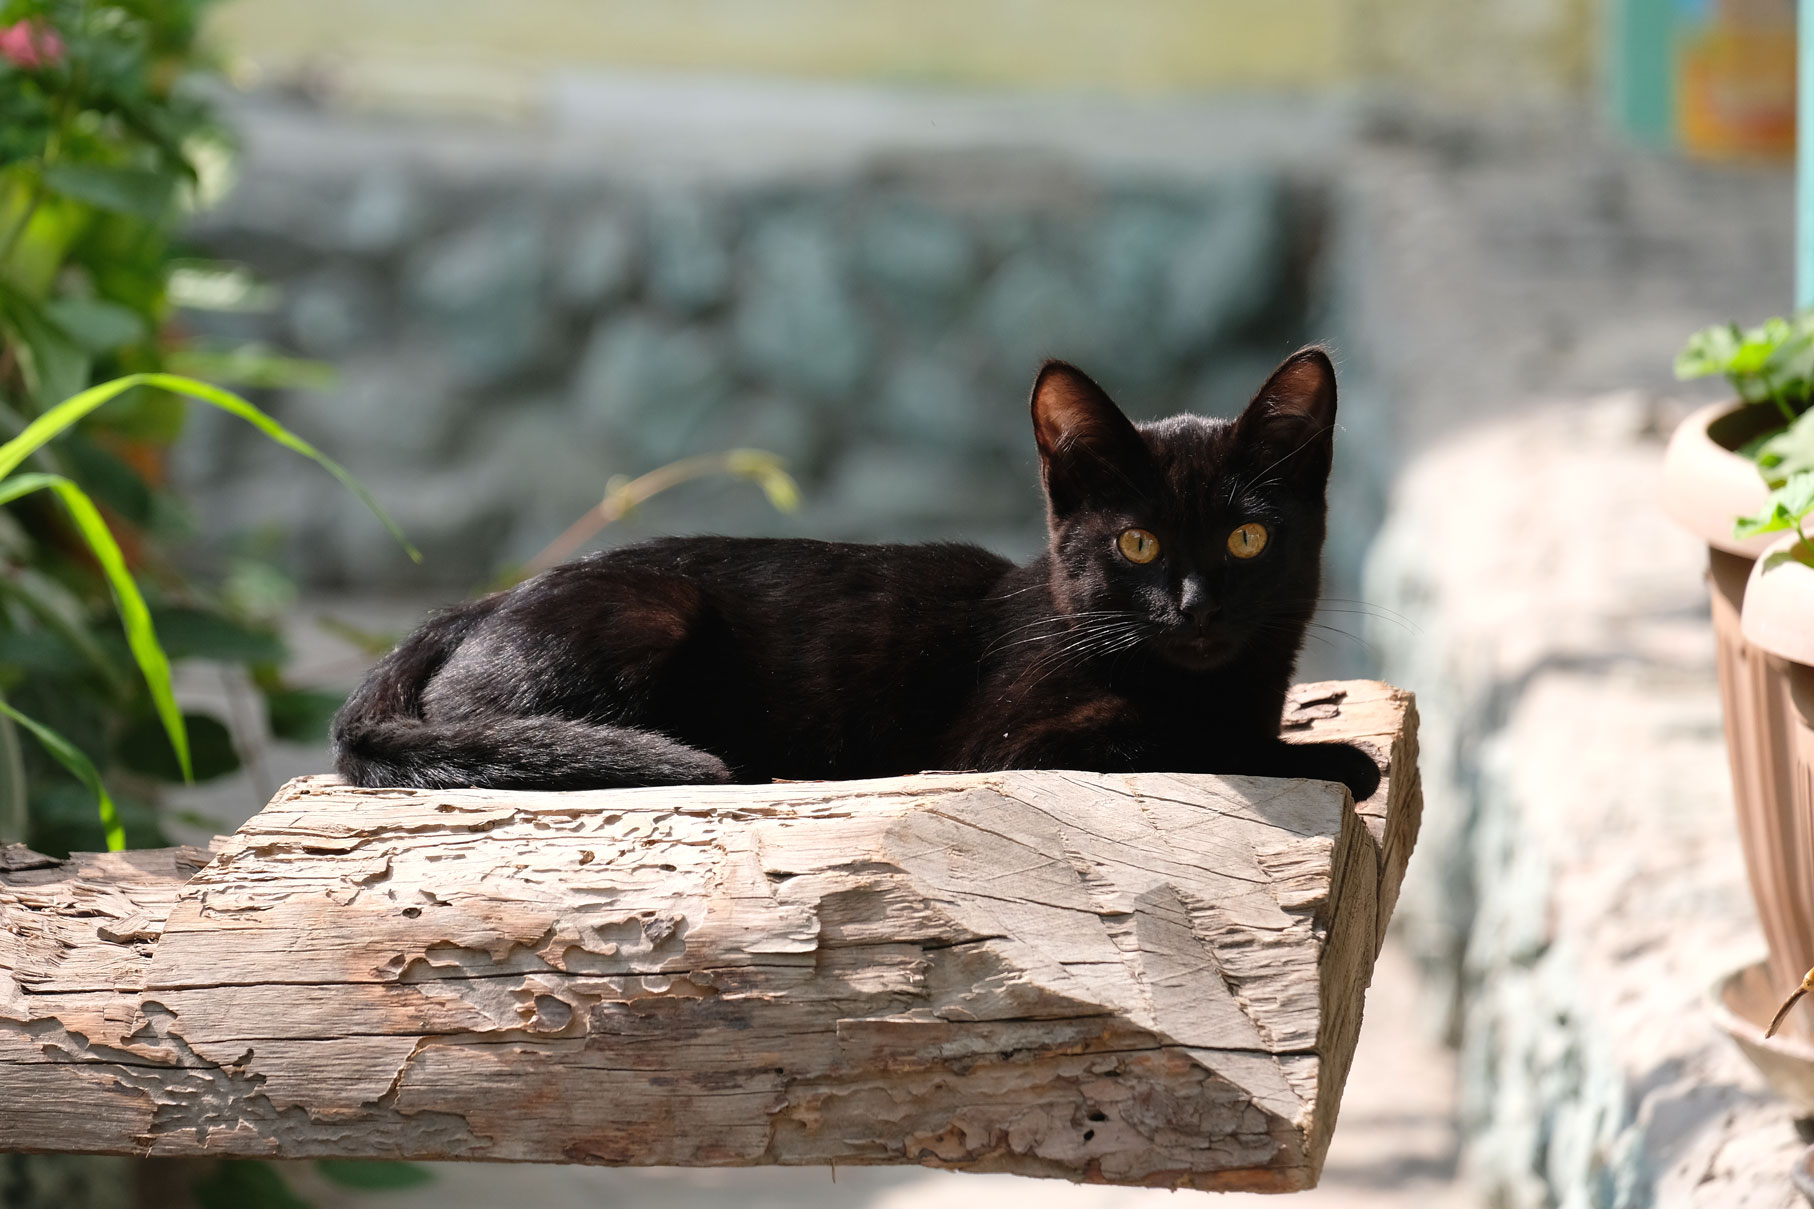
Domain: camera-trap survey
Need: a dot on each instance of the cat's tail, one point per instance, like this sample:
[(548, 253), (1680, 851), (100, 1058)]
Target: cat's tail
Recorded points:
[(381, 739)]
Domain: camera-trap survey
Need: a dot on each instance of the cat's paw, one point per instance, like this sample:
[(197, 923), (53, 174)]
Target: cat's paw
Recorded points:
[(1341, 762), (1358, 772)]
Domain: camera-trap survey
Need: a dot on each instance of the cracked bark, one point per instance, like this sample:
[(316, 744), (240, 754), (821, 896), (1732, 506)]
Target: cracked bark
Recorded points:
[(1146, 979)]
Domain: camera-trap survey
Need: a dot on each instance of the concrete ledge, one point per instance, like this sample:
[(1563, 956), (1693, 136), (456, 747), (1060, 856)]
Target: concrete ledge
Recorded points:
[(1581, 883)]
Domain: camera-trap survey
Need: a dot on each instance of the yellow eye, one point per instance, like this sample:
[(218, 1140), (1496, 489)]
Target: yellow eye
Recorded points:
[(1248, 540), (1138, 546)]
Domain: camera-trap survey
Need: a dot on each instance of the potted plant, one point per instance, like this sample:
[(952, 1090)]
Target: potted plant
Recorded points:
[(1740, 476), (1720, 471), (1777, 621)]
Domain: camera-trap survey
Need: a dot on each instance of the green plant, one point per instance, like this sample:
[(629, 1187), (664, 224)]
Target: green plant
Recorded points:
[(1770, 363), (1785, 510), (106, 144), (141, 636), (1786, 452)]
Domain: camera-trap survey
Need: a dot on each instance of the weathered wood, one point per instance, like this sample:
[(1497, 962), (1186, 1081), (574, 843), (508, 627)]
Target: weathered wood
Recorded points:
[(1382, 721), (1144, 979)]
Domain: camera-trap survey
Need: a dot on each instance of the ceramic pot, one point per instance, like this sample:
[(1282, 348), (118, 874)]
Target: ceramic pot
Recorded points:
[(1742, 1004), (1705, 486), (1776, 627), (1779, 600)]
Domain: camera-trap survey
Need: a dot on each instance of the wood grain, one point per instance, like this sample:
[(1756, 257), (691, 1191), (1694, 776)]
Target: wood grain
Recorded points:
[(1146, 979)]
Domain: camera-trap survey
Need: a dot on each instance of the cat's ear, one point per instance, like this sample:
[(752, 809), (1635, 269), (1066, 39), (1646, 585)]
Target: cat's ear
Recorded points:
[(1291, 421), (1086, 446)]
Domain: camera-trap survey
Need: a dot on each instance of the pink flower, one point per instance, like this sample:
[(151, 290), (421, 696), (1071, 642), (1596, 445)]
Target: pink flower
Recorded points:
[(31, 44)]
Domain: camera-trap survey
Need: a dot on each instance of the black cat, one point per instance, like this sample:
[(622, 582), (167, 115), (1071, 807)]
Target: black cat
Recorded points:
[(1157, 633)]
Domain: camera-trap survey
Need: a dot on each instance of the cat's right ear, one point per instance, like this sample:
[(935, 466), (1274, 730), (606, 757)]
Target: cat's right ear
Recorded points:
[(1291, 422), (1086, 446)]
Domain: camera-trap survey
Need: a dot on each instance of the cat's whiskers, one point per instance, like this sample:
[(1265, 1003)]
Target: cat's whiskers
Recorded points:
[(1032, 587), (1309, 630), (1308, 441), (1363, 608), (1062, 625), (1080, 643), (1096, 642), (1354, 638)]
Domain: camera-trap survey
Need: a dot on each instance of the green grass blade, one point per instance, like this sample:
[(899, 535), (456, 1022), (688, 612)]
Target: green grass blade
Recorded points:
[(56, 420), (70, 756), (232, 404), (60, 418), (134, 616)]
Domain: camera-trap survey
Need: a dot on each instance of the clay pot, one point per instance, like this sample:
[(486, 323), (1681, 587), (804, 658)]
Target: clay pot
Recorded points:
[(1705, 486), (1779, 600), (1776, 629), (1742, 1004)]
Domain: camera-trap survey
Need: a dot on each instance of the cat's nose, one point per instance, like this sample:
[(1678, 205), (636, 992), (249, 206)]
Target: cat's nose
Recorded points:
[(1201, 614), (1197, 605)]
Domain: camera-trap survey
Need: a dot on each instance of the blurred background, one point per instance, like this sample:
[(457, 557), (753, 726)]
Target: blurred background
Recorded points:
[(497, 257)]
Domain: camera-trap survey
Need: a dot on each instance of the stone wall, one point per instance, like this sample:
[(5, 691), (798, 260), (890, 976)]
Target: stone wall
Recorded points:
[(1578, 884), (506, 345)]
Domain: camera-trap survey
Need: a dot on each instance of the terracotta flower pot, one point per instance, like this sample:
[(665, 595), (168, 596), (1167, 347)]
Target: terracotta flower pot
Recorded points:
[(1705, 486), (1779, 600), (1776, 626), (1741, 1004)]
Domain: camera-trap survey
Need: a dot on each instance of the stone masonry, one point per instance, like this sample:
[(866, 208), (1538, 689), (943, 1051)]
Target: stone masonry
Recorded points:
[(1578, 885), (505, 346)]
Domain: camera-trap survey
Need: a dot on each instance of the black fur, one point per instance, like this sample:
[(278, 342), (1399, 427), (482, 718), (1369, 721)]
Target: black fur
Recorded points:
[(706, 659)]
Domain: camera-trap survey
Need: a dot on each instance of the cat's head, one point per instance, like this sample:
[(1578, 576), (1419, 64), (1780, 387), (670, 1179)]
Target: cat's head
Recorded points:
[(1191, 538)]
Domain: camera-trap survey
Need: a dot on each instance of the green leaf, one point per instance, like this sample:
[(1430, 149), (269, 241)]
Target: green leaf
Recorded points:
[(252, 588), (95, 324), (1771, 362), (245, 1184), (190, 633), (370, 643), (142, 748), (373, 1175), (253, 365), (1750, 357), (1789, 452), (140, 192), (1784, 510), (141, 637), (301, 715), (63, 820), (54, 421), (55, 365), (59, 610), (1708, 352), (203, 285), (766, 470), (40, 653), (79, 766), (15, 804), (109, 479)]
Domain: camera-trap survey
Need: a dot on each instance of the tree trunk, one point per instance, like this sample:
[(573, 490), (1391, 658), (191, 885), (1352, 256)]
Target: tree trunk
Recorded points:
[(1146, 979)]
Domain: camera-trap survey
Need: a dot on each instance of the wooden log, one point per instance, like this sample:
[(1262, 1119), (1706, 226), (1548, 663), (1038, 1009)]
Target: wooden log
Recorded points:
[(1382, 721), (1148, 979)]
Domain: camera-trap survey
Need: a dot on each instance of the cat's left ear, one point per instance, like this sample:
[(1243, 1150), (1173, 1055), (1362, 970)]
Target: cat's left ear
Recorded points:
[(1292, 420), (1087, 448)]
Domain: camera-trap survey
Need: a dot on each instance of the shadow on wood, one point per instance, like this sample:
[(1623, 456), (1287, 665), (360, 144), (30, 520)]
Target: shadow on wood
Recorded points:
[(1146, 979)]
